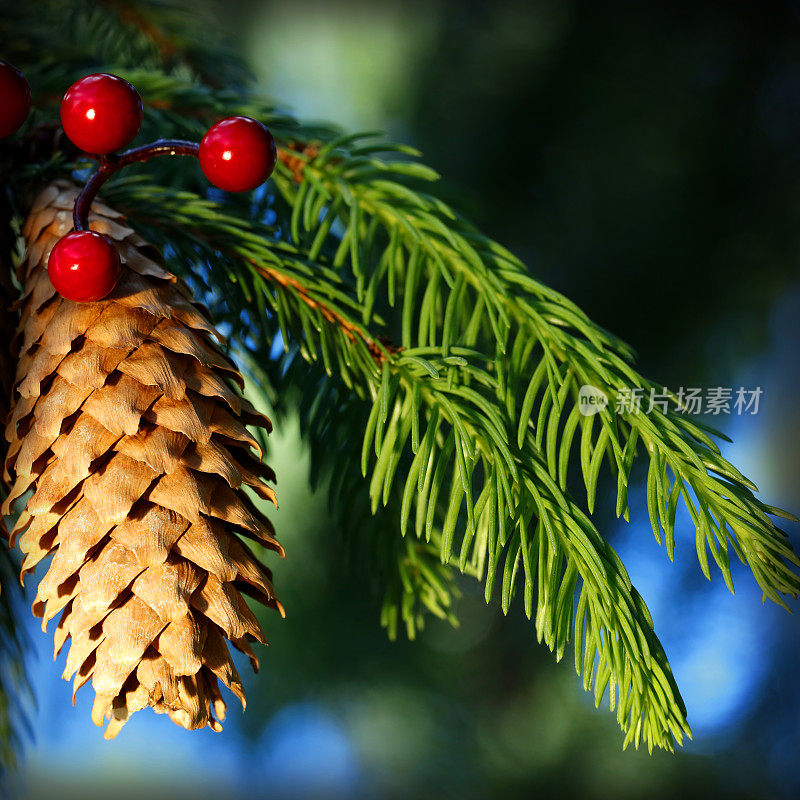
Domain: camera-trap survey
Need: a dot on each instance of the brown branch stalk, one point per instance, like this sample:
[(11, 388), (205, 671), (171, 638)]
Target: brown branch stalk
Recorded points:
[(381, 348)]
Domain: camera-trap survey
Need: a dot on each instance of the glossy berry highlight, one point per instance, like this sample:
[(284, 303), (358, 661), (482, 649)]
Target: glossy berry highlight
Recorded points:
[(238, 154), (101, 113), (15, 99), (84, 266)]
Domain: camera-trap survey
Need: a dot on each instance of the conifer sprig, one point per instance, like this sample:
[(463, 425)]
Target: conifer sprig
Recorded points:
[(458, 371), (414, 252), (466, 477), (460, 287)]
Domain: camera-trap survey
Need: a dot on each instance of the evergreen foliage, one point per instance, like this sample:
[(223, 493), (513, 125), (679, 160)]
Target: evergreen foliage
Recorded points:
[(435, 377)]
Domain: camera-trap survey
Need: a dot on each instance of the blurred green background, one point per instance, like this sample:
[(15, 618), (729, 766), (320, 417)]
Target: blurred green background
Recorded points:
[(644, 159)]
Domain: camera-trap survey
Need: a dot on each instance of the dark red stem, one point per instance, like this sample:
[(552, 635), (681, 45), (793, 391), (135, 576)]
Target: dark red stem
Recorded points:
[(110, 164)]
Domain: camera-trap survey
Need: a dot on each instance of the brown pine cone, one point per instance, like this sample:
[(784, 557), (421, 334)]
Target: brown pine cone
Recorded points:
[(128, 429)]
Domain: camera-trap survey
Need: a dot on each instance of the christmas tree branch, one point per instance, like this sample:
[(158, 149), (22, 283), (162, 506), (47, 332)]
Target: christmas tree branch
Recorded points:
[(470, 431), (442, 413), (454, 279)]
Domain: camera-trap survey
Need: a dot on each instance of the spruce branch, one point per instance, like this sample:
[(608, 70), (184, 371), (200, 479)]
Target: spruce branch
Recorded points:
[(468, 429), (461, 286), (442, 412)]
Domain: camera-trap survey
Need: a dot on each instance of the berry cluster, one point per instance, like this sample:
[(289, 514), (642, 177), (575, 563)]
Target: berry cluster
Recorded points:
[(100, 115)]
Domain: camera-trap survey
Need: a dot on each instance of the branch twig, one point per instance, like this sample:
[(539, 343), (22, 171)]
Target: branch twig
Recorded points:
[(380, 348), (110, 164), (295, 156)]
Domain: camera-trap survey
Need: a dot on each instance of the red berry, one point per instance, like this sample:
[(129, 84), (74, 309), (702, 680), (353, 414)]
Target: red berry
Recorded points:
[(238, 154), (15, 99), (84, 266), (101, 113)]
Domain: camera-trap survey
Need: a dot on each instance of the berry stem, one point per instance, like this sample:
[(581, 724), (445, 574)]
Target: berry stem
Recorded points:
[(110, 164)]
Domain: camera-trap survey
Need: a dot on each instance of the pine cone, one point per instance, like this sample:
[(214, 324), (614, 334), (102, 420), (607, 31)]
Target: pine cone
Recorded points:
[(129, 432)]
